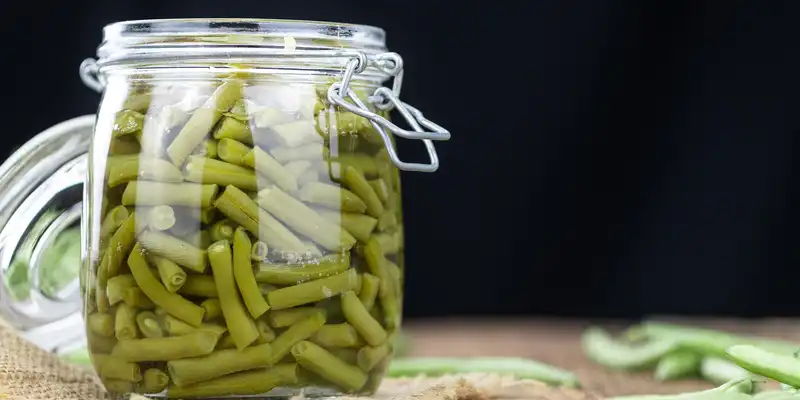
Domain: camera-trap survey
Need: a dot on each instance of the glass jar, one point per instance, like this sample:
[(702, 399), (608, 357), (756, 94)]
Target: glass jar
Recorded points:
[(243, 221)]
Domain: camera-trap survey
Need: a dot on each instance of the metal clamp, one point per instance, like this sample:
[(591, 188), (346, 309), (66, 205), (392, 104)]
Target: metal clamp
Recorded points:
[(90, 75), (386, 99)]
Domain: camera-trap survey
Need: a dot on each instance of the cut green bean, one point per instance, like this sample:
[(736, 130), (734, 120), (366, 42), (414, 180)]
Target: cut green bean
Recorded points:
[(147, 169), (255, 382), (202, 170), (99, 344), (125, 323), (296, 133), (232, 128), (200, 286), (176, 250), (331, 196), (195, 344), (358, 184), (677, 365), (203, 119), (313, 291), (146, 193), (231, 151), (292, 274), (213, 309), (176, 327), (369, 357), (296, 333), (388, 295), (370, 285), (127, 122), (101, 324), (160, 218), (388, 221), (321, 362), (520, 368), (173, 303), (148, 324), (381, 189), (259, 252), (116, 287), (235, 204), (358, 316), (265, 332), (290, 316), (226, 342), (311, 151), (110, 367), (243, 272), (348, 355), (266, 165), (207, 149), (363, 163), (387, 243), (221, 230), (123, 146), (359, 225), (118, 385), (136, 298), (219, 363), (780, 367), (241, 326), (337, 335), (154, 381), (172, 275), (600, 347), (112, 221)]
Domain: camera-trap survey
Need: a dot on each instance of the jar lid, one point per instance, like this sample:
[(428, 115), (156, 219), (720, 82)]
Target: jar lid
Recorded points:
[(41, 190)]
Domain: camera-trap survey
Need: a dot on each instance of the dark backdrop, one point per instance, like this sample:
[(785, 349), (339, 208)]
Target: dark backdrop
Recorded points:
[(609, 158)]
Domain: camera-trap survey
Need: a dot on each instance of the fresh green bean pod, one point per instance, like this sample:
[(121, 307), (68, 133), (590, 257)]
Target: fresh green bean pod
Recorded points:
[(173, 303), (255, 382), (369, 357), (323, 363), (290, 316), (148, 324), (266, 165), (135, 297), (200, 286), (146, 169), (600, 347), (204, 170), (125, 323), (219, 363), (780, 367), (677, 365), (313, 291), (337, 335), (174, 249), (147, 193), (171, 274), (358, 316), (195, 344), (232, 151), (310, 151), (331, 196), (201, 122), (154, 381), (233, 129), (212, 307), (719, 370), (101, 324), (304, 220), (241, 326), (359, 225), (117, 286), (161, 218), (292, 274), (370, 285), (296, 333), (110, 367), (243, 273)]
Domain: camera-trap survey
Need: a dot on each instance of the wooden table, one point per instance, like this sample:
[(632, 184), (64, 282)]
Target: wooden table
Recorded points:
[(557, 342)]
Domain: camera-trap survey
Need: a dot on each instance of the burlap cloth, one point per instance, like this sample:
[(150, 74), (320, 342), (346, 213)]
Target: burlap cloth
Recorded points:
[(28, 373)]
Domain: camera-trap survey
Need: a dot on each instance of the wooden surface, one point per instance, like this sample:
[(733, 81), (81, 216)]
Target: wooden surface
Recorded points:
[(557, 342)]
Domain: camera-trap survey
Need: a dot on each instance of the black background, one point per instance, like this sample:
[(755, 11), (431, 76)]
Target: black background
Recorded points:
[(609, 158)]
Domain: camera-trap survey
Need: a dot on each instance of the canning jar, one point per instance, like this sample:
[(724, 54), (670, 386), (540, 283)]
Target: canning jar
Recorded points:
[(243, 208)]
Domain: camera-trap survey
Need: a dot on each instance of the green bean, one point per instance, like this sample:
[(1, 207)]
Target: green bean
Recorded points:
[(265, 332), (321, 362), (160, 218), (201, 122), (200, 286), (231, 151), (310, 151), (358, 316), (292, 274), (733, 390), (219, 363), (195, 344), (226, 342), (120, 244), (232, 128), (135, 297), (259, 252), (370, 285), (296, 133), (358, 184), (241, 209), (266, 165), (290, 316), (313, 291), (381, 189), (173, 303), (348, 355), (154, 381), (221, 230), (146, 193), (148, 324), (296, 333), (116, 287), (176, 250), (243, 272), (388, 221), (337, 335), (780, 367), (127, 122), (719, 371), (331, 196), (176, 327), (208, 149), (101, 324), (124, 145), (200, 170), (677, 365), (118, 385), (212, 307), (172, 275), (359, 225), (100, 344), (520, 368), (361, 162), (147, 169), (112, 221), (115, 161), (388, 295), (241, 326), (600, 347), (125, 323), (241, 384), (111, 367), (387, 243), (369, 357)]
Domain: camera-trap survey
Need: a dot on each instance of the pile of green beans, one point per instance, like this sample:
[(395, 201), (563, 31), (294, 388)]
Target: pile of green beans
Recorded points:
[(676, 351), (250, 243)]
